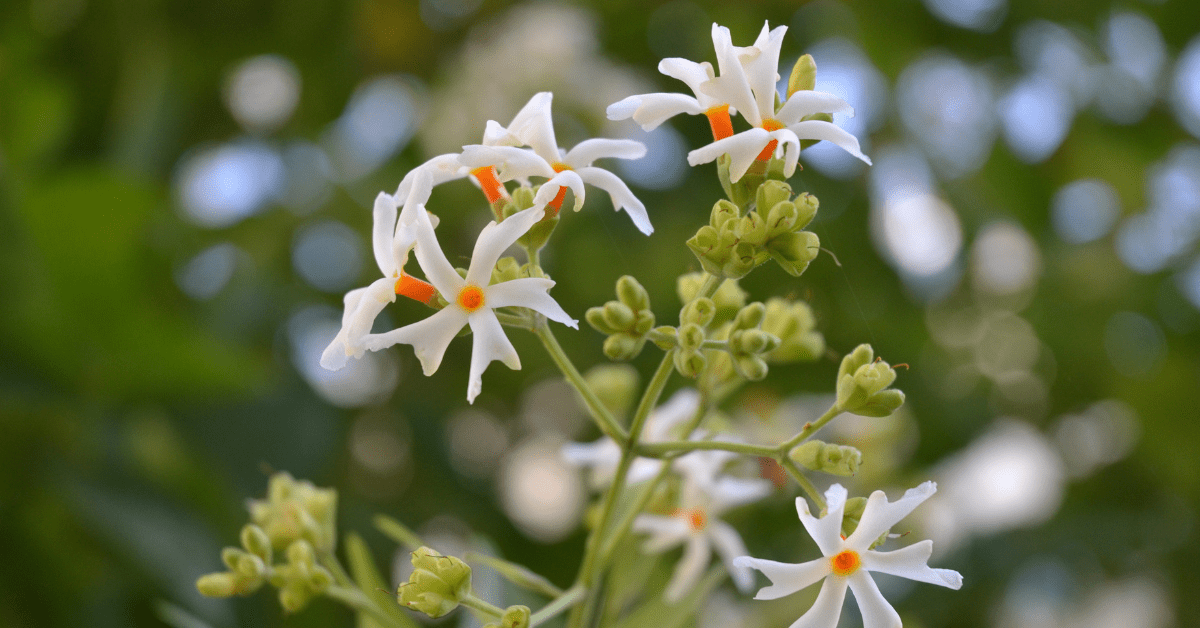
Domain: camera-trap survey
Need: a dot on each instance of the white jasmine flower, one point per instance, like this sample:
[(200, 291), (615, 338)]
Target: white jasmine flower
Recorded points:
[(747, 82), (472, 301), (533, 126), (391, 241), (603, 455), (696, 525), (846, 562)]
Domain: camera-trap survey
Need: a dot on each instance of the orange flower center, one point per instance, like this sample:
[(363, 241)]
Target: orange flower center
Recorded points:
[(492, 188), (470, 298), (770, 124), (560, 166), (845, 563), (718, 119), (694, 516), (769, 151), (415, 289)]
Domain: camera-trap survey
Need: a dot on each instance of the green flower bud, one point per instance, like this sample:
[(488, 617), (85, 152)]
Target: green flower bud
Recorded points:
[(750, 316), (507, 269), (631, 293), (539, 234), (804, 75), (522, 198), (595, 317), (301, 553), (794, 251), (227, 584), (770, 194), (882, 403), (861, 356), (690, 337), (644, 322), (852, 513), (623, 346), (815, 455), (294, 596), (793, 323), (806, 208), (752, 229), (699, 312), (251, 566), (722, 212), (750, 367), (255, 540), (232, 556), (741, 260), (515, 617), (690, 363), (615, 385), (437, 583), (617, 315), (781, 219), (296, 510), (667, 331), (862, 382), (752, 341)]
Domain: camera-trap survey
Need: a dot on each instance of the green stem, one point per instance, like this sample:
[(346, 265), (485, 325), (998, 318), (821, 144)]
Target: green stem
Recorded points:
[(359, 601), (560, 604), (666, 448), (803, 481), (481, 605), (330, 561), (810, 428), (604, 418), (626, 522)]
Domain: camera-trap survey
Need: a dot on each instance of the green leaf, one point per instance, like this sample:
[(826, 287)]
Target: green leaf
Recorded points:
[(176, 617), (362, 568)]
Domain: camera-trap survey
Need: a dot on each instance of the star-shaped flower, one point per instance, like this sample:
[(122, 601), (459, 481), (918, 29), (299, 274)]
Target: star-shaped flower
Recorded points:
[(603, 455), (747, 80), (846, 562), (696, 525), (534, 127), (472, 301)]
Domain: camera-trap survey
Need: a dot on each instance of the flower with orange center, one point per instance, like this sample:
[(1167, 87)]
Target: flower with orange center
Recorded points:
[(847, 562), (474, 299)]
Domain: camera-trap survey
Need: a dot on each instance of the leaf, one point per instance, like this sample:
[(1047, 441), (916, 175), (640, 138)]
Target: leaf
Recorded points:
[(658, 613), (398, 532), (362, 568), (176, 617)]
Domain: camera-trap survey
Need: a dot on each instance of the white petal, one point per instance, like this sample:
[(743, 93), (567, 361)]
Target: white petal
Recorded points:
[(911, 562), (335, 355), (412, 205), (876, 612), (880, 515), (438, 270), (622, 197), (510, 162), (429, 337), (383, 232), (827, 608), (496, 135), (733, 86), (642, 469), (651, 110), (807, 102), (729, 547), (535, 126), (822, 130), (696, 556), (599, 452), (587, 151), (730, 492), (549, 189), (743, 149), (490, 344), (791, 149), (786, 578), (494, 240), (687, 71), (530, 292), (403, 243), (762, 72), (441, 169), (679, 408), (665, 532), (826, 531)]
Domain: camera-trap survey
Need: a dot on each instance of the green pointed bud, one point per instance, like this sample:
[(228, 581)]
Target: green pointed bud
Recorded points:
[(294, 510), (515, 617), (806, 208), (631, 293), (615, 385), (861, 384), (617, 315), (750, 367), (690, 363), (853, 512), (539, 234), (722, 212), (750, 316), (861, 356), (804, 75), (690, 337), (623, 346), (667, 343), (644, 322), (301, 553), (507, 269), (251, 566), (320, 579), (781, 219), (232, 556), (882, 403), (596, 318), (752, 229), (706, 246), (294, 597), (437, 583), (794, 324), (752, 341), (522, 198), (770, 194), (699, 312), (255, 540), (222, 584), (824, 117), (794, 251), (815, 455), (741, 260)]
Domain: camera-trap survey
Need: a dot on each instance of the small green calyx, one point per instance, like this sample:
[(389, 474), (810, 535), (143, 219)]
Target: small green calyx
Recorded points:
[(795, 326), (816, 455), (626, 320), (515, 617), (862, 386), (294, 510), (539, 234), (437, 584), (804, 75)]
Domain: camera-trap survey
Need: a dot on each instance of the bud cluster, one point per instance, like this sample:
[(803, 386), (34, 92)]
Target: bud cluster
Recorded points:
[(795, 326), (294, 510), (732, 243), (437, 584), (862, 385), (829, 458), (626, 320), (298, 580)]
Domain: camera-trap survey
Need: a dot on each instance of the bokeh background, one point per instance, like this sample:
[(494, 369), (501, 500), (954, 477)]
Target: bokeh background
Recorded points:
[(185, 192)]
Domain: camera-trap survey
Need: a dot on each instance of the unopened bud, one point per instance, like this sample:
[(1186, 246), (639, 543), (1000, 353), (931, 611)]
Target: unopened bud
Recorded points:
[(770, 194), (862, 382), (804, 75), (750, 316), (690, 363), (815, 455), (722, 212), (631, 293), (794, 251), (690, 337), (255, 540), (752, 229), (750, 367), (437, 583), (507, 269), (222, 584), (617, 315), (515, 617), (699, 312), (622, 346)]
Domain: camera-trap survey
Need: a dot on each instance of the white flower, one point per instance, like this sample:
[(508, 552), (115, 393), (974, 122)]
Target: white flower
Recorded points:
[(603, 455), (533, 126), (471, 300), (391, 241), (747, 82), (846, 562), (695, 524)]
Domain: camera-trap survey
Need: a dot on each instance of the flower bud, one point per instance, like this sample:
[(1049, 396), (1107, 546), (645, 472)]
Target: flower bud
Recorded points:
[(750, 316), (750, 367), (806, 207), (294, 596), (232, 556), (690, 363), (223, 584), (794, 251), (752, 229), (251, 566), (804, 75), (741, 260), (615, 385), (255, 540), (753, 341), (617, 315), (667, 331), (793, 323), (296, 510), (699, 312), (631, 293), (722, 212), (770, 194), (623, 346), (643, 323), (595, 317), (507, 269), (437, 583), (782, 218), (515, 617), (815, 455), (862, 382), (690, 337)]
